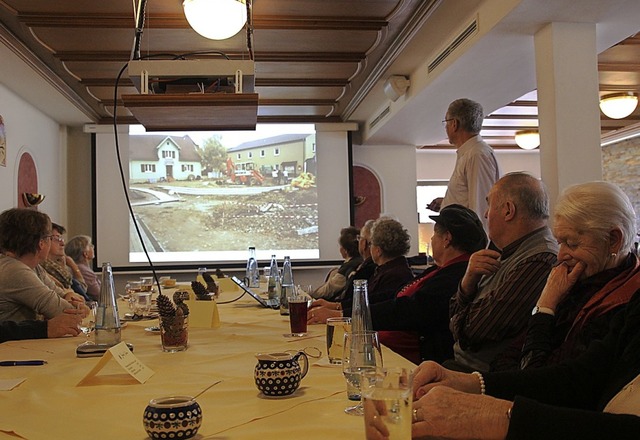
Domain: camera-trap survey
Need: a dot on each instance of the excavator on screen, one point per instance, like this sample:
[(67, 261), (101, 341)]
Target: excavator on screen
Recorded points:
[(243, 173)]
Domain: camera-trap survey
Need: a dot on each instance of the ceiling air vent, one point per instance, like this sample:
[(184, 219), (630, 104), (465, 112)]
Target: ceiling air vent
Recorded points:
[(457, 41), (380, 117)]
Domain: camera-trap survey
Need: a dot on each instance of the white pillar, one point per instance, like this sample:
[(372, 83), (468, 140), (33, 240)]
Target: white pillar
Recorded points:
[(569, 116)]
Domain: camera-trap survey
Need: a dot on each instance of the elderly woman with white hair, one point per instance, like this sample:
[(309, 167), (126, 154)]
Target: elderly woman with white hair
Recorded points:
[(593, 395), (597, 274)]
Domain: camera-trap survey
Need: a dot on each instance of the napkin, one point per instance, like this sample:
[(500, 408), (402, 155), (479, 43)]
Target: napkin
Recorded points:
[(9, 384)]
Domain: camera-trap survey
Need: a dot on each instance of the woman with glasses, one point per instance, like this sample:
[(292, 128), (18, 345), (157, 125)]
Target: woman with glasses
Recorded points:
[(81, 250), (388, 245), (26, 290), (62, 269)]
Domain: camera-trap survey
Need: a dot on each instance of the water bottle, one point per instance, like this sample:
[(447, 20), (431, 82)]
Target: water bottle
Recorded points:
[(107, 317), (286, 286), (272, 288), (360, 313), (252, 275)]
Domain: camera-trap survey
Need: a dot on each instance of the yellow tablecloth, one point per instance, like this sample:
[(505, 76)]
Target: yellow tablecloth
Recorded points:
[(49, 405)]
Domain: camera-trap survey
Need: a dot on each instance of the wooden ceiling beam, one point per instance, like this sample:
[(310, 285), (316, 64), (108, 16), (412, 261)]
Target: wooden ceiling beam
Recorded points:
[(619, 67), (260, 82), (300, 57), (178, 21)]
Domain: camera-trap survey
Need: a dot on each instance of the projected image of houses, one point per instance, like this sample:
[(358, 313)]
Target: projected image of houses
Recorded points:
[(191, 197)]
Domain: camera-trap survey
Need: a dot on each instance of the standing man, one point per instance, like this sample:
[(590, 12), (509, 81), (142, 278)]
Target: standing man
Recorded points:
[(476, 168), (501, 287)]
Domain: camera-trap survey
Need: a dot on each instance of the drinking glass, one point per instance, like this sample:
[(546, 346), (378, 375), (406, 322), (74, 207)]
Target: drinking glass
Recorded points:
[(88, 323), (298, 315), (141, 304), (146, 284), (387, 394), (336, 328), (362, 354)]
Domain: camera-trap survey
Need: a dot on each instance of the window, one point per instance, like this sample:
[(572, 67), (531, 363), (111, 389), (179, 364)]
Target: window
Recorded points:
[(250, 154), (148, 168), (276, 151), (262, 153), (426, 191), (167, 153), (188, 167), (239, 156), (313, 147)]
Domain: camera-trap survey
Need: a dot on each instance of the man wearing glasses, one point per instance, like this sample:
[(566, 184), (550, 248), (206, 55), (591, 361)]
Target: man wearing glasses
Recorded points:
[(476, 168), (60, 267)]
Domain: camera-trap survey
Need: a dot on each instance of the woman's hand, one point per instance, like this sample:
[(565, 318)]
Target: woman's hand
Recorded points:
[(431, 374), (66, 323), (447, 413), (74, 298), (322, 303), (319, 315), (560, 281)]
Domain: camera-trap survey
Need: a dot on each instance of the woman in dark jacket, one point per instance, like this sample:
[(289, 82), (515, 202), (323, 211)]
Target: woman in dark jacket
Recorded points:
[(415, 323)]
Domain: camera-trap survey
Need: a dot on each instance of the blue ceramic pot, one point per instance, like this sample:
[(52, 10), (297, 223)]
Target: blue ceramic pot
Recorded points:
[(175, 417)]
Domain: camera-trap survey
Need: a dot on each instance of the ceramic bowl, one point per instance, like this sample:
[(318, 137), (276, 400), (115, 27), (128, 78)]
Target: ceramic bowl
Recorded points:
[(174, 417)]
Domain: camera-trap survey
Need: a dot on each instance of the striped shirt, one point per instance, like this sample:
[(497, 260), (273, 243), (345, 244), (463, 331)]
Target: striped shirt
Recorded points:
[(484, 324)]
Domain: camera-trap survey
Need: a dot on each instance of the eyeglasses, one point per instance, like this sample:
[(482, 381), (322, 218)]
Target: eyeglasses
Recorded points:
[(444, 121), (46, 237), (360, 237), (58, 238)]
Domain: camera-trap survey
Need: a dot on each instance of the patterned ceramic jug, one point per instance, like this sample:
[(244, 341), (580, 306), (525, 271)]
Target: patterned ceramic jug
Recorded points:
[(279, 374)]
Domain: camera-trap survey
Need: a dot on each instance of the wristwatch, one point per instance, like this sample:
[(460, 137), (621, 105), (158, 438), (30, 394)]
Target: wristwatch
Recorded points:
[(545, 310)]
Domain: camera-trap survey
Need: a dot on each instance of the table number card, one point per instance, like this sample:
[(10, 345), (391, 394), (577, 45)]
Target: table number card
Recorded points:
[(203, 314), (126, 359)]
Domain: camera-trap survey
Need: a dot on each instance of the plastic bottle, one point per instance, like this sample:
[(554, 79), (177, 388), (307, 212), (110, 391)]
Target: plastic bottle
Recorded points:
[(286, 286), (252, 275), (274, 280), (107, 317)]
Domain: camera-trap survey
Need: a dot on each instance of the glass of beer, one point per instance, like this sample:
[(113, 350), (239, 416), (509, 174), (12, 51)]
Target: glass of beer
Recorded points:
[(298, 315), (336, 328)]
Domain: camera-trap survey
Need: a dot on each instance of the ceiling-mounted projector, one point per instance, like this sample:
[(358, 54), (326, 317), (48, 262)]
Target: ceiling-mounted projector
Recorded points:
[(192, 76), (193, 94)]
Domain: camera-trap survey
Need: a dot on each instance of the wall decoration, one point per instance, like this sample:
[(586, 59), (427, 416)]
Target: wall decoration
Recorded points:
[(3, 144), (367, 195), (27, 179)]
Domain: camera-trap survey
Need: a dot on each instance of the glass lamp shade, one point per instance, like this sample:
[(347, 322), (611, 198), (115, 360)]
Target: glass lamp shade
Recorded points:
[(216, 19), (618, 105), (528, 139)]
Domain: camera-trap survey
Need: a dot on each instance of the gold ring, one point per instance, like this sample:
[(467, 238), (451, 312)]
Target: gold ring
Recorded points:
[(415, 415)]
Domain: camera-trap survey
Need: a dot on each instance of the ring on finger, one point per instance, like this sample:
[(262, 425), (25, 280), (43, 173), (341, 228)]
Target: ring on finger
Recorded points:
[(414, 415)]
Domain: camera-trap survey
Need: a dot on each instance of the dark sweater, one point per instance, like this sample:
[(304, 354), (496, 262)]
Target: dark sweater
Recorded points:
[(10, 330), (582, 386), (425, 312)]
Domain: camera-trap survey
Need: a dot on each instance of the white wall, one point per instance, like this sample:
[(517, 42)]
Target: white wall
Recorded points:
[(395, 167), (29, 130), (438, 164)]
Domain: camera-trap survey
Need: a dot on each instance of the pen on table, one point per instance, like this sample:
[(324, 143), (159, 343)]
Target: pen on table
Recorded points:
[(20, 363)]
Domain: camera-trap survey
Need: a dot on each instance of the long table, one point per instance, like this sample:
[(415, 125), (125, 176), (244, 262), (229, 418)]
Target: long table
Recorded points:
[(50, 405)]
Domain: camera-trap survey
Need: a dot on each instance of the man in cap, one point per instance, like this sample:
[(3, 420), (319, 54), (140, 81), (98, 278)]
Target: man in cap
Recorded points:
[(501, 287)]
